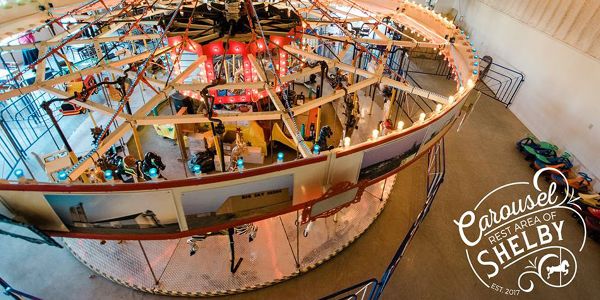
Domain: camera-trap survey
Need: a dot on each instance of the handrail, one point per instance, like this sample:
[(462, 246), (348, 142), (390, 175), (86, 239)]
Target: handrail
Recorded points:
[(14, 293), (408, 76), (437, 165), (508, 82)]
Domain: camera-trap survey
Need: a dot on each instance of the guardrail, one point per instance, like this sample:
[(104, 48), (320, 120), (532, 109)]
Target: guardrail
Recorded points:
[(373, 288), (22, 124), (499, 82), (14, 293), (430, 63)]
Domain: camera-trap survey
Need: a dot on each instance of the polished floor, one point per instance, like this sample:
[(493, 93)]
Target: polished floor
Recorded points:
[(480, 158)]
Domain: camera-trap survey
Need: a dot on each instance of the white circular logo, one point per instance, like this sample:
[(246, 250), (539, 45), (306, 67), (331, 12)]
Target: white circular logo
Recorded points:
[(512, 245)]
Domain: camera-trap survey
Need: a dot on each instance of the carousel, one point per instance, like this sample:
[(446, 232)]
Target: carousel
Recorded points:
[(207, 147)]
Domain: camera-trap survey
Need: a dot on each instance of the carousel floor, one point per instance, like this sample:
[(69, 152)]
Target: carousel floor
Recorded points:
[(479, 158)]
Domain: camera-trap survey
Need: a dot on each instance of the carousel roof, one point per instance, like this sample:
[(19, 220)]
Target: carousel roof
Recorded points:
[(274, 39)]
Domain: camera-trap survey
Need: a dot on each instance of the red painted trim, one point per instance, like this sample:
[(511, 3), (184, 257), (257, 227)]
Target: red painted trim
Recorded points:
[(122, 187), (182, 234), (86, 188)]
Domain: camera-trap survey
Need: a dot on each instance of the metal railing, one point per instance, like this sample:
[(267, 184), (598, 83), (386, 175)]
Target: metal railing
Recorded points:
[(408, 105), (22, 125), (14, 293), (499, 82), (496, 81), (372, 289), (429, 63)]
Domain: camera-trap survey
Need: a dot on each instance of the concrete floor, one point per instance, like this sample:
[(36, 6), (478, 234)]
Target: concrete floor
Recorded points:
[(480, 158)]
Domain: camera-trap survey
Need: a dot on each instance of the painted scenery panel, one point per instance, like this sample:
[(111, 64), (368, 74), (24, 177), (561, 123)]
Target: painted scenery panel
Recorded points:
[(435, 128), (220, 205), (148, 212), (333, 202), (385, 158)]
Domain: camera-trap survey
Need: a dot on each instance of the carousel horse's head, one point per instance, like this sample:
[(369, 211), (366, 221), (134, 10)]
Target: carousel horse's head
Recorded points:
[(155, 160), (326, 132), (128, 164)]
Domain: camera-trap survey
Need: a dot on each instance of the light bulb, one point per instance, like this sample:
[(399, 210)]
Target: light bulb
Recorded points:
[(461, 89), (62, 176), (450, 99), (197, 169), (470, 83), (422, 117), (375, 134), (347, 142), (400, 126), (316, 149), (438, 108), (108, 175), (153, 173), (240, 164)]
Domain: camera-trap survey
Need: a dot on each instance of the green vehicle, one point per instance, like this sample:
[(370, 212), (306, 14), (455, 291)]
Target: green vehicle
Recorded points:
[(535, 149)]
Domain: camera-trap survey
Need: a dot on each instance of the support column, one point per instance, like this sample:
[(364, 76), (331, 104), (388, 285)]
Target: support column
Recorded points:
[(136, 139)]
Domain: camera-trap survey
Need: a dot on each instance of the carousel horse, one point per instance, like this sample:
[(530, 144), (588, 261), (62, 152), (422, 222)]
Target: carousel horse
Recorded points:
[(351, 111), (157, 67), (205, 159), (238, 150), (336, 80), (562, 268), (110, 159), (108, 162), (127, 170), (131, 170), (151, 160), (249, 229), (96, 132), (324, 134)]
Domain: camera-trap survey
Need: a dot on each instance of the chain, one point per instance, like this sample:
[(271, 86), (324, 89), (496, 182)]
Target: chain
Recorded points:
[(299, 136)]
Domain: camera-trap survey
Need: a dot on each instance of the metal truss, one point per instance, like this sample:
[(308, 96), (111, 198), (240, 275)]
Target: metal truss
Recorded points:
[(131, 21)]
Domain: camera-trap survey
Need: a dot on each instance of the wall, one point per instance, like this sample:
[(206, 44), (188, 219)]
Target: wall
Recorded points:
[(574, 22), (559, 100)]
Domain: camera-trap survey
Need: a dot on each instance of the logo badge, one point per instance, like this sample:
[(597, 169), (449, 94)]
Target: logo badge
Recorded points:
[(514, 244)]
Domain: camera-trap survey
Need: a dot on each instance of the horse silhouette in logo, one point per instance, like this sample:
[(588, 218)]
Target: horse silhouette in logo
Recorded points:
[(562, 268)]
